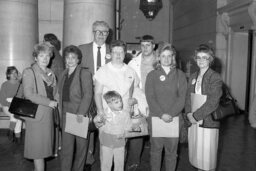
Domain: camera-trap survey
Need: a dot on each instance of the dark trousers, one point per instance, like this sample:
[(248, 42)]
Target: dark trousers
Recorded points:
[(74, 148), (170, 145), (135, 147)]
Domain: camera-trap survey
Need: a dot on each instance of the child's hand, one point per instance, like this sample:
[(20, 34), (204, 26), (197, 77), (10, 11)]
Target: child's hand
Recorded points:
[(99, 121)]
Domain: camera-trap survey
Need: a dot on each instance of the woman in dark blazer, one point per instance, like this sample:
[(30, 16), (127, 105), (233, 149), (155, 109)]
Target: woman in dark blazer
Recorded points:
[(76, 92), (203, 132), (39, 85)]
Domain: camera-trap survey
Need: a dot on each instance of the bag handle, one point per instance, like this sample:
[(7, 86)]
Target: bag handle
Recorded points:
[(21, 82)]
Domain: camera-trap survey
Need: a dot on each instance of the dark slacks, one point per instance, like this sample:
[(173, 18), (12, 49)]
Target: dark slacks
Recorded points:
[(74, 148), (135, 147), (170, 145)]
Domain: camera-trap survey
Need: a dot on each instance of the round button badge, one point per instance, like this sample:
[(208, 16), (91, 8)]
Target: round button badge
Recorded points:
[(162, 77)]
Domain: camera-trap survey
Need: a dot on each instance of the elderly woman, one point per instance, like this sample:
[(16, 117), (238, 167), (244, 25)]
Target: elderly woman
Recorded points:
[(165, 92), (76, 92), (115, 76), (39, 85), (9, 89), (203, 133)]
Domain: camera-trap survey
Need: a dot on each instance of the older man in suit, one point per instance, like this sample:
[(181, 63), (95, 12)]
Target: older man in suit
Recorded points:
[(95, 54)]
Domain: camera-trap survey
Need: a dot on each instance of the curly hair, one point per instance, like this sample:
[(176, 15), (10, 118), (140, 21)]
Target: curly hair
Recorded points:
[(42, 47), (73, 49)]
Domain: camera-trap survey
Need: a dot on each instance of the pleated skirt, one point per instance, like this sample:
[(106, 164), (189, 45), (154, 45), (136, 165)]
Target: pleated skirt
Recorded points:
[(203, 146)]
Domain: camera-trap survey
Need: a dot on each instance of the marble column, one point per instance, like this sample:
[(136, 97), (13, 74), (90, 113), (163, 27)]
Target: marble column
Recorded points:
[(18, 33), (79, 16)]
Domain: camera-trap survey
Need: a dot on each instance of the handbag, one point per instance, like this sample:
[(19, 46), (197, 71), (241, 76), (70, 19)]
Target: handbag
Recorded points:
[(92, 112), (227, 106), (23, 107)]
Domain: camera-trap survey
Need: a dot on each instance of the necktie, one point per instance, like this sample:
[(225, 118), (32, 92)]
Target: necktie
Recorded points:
[(98, 58)]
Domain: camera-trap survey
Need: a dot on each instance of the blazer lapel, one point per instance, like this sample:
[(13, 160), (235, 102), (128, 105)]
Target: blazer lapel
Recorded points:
[(76, 77)]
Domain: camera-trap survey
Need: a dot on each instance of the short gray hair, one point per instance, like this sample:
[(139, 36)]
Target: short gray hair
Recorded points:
[(99, 23)]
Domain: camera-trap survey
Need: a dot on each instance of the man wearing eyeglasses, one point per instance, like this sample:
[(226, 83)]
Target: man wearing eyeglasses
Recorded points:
[(96, 53)]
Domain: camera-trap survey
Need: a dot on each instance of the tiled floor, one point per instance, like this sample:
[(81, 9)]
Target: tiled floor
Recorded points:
[(237, 151)]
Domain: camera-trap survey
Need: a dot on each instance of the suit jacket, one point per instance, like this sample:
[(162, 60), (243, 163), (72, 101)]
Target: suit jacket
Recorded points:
[(80, 100), (40, 97), (212, 87), (88, 60)]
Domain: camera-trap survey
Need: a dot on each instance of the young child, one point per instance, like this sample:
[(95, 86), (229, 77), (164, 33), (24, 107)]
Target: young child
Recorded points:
[(115, 122)]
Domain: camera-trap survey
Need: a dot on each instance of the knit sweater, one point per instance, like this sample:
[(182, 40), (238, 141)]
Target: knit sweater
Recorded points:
[(165, 93)]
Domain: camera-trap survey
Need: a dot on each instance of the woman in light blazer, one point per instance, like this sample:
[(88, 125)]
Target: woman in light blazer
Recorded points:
[(76, 92), (39, 85)]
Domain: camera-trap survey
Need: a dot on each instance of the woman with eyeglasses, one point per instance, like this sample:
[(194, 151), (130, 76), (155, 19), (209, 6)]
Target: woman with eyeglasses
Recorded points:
[(8, 90), (205, 89)]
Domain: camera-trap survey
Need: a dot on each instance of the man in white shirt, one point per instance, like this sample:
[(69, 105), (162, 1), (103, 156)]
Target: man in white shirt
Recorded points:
[(142, 64), (95, 54)]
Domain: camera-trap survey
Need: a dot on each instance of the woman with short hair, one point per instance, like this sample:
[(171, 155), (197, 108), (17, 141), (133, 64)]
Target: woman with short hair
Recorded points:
[(76, 95), (165, 90), (39, 86), (203, 132)]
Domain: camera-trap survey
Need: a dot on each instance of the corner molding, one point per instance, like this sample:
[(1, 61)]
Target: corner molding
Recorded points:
[(252, 14), (225, 21), (234, 6)]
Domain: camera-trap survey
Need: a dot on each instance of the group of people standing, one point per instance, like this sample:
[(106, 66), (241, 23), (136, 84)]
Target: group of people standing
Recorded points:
[(96, 71)]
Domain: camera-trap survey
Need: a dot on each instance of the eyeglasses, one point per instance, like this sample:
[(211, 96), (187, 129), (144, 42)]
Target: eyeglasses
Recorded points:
[(98, 32), (204, 58)]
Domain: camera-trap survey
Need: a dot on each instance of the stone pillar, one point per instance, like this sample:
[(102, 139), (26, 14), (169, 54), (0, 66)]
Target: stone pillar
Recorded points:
[(222, 38), (19, 33), (79, 16)]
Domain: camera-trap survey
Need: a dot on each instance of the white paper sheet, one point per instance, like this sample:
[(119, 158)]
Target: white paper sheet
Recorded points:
[(75, 128), (163, 129), (197, 100)]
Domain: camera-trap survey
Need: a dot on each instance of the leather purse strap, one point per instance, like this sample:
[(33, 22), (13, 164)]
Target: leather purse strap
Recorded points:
[(21, 82)]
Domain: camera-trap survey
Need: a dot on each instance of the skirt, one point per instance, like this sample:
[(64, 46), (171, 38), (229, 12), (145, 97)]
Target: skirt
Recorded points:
[(39, 138), (203, 146)]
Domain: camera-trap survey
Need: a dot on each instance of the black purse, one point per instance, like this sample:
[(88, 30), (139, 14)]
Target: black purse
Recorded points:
[(92, 112), (23, 107), (227, 105)]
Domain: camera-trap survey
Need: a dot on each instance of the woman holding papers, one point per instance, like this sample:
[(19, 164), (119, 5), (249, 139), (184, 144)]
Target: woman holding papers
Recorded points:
[(165, 92), (203, 95), (39, 85), (76, 92)]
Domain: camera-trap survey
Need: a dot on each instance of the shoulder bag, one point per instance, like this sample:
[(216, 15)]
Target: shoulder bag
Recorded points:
[(23, 107), (227, 105)]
